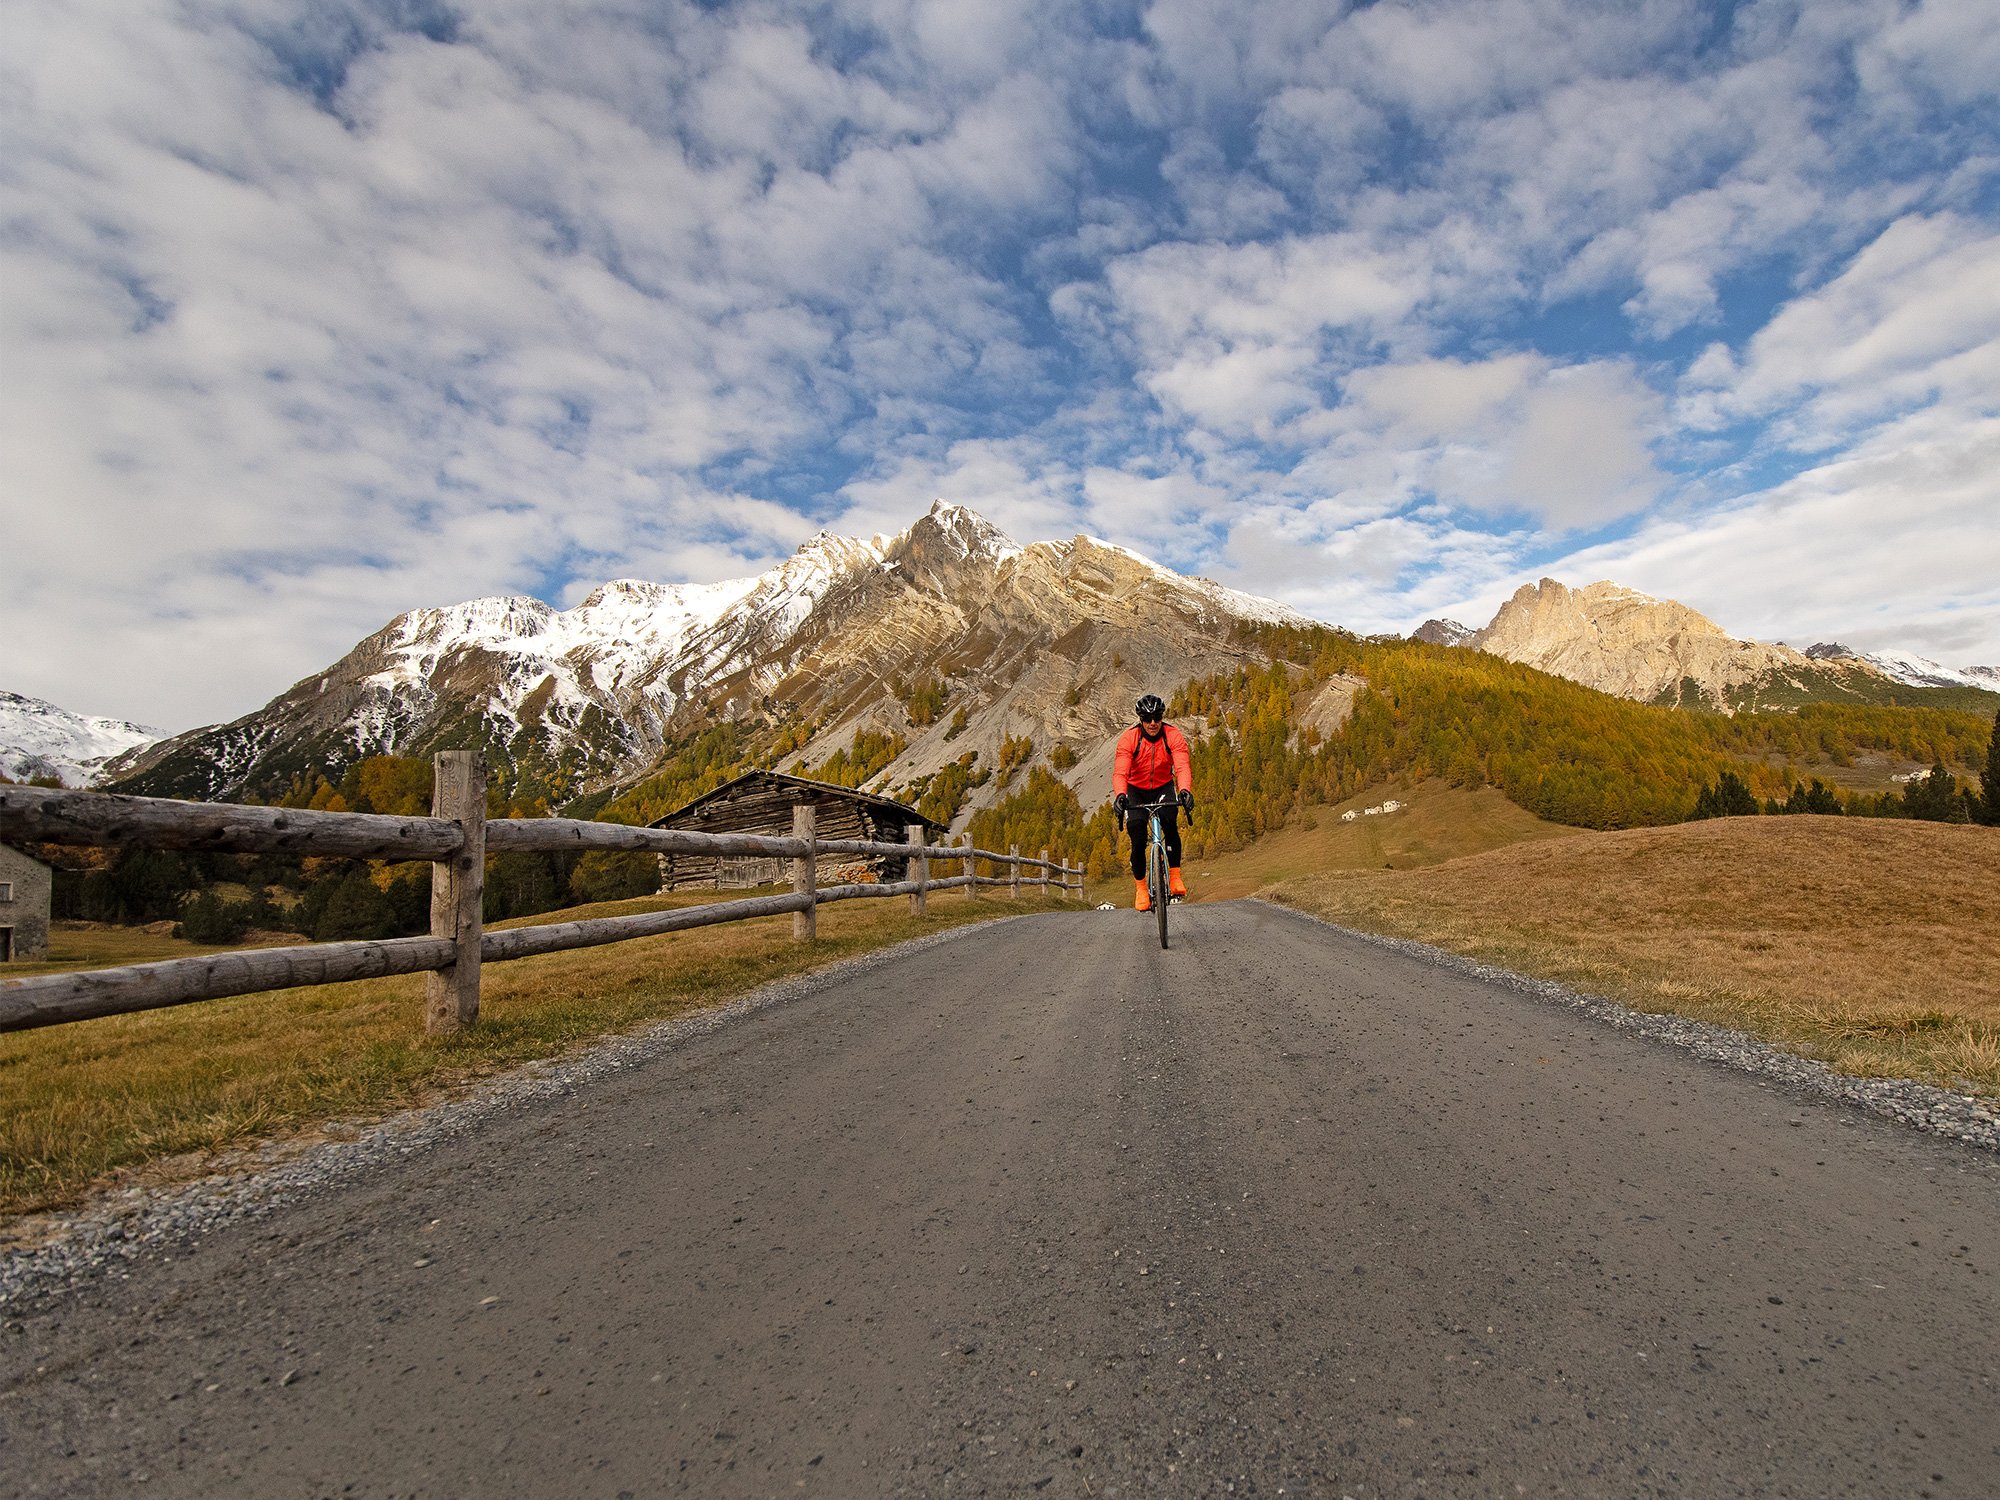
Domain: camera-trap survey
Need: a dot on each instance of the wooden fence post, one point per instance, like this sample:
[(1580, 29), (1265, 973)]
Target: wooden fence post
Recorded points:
[(920, 869), (1042, 875), (805, 872), (971, 867), (1014, 869), (458, 885)]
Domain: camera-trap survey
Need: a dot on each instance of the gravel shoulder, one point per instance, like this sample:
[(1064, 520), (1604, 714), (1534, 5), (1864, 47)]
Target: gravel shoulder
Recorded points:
[(1956, 1116), (1038, 1208)]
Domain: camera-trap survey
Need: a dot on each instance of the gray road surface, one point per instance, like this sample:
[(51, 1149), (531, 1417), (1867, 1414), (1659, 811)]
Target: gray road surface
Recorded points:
[(1045, 1211)]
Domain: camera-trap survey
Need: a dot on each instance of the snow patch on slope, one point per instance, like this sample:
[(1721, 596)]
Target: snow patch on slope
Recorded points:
[(1908, 668)]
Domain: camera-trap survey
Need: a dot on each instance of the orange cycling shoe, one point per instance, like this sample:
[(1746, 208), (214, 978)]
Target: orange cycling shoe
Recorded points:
[(1144, 900), (1175, 886)]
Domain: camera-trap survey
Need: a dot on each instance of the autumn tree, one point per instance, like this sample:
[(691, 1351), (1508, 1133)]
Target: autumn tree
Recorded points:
[(923, 701), (1989, 778), (1934, 797)]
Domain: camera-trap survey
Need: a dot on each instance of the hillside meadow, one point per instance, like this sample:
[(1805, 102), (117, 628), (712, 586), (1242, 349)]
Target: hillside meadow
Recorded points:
[(1565, 754), (1437, 822), (1869, 944), (153, 1096)]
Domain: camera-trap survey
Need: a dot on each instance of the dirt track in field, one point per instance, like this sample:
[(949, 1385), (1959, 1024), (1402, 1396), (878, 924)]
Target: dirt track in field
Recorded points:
[(1043, 1210)]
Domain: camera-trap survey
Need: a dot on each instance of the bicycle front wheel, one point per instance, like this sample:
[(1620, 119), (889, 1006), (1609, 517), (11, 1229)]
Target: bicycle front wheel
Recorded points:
[(1156, 886)]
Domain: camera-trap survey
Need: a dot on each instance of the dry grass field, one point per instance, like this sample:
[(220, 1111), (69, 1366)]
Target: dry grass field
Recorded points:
[(1438, 822), (100, 945), (159, 1093), (1871, 944)]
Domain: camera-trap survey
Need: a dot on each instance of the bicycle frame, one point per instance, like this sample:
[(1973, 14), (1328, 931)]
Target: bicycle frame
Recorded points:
[(1156, 869)]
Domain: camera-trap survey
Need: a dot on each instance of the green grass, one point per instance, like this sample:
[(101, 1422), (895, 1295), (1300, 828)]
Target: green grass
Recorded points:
[(152, 1096)]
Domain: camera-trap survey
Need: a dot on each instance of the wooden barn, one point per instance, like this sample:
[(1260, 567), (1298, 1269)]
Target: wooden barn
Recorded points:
[(762, 802)]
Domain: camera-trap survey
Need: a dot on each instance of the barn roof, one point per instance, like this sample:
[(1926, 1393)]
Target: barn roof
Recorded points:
[(788, 789)]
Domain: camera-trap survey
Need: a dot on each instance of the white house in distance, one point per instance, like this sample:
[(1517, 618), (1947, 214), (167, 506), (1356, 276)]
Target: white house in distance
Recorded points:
[(1392, 805), (25, 885)]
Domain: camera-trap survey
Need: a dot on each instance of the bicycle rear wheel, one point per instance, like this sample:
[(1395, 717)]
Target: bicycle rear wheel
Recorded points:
[(1156, 886)]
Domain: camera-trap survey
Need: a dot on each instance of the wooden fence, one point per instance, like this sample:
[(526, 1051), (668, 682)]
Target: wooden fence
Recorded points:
[(456, 839)]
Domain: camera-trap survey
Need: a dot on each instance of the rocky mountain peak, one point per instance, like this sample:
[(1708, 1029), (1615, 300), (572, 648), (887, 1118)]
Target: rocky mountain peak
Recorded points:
[(1618, 640), (1543, 613), (1443, 633), (500, 617), (948, 545), (969, 531)]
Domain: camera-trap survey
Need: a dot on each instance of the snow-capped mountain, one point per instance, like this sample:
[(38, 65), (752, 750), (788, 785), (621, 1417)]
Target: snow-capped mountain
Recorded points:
[(1908, 668), (38, 739), (1443, 633), (1050, 638)]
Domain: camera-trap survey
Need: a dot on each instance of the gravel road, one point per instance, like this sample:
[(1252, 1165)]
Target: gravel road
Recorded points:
[(1043, 1210)]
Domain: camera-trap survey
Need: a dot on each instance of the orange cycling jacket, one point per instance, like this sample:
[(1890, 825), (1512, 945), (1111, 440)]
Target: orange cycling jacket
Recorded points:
[(1145, 765)]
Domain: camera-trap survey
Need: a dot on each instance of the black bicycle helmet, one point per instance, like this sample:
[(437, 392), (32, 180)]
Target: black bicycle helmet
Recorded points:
[(1150, 707)]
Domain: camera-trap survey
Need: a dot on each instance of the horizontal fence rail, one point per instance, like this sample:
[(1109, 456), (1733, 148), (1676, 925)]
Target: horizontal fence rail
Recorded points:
[(456, 839), (48, 999), (46, 815)]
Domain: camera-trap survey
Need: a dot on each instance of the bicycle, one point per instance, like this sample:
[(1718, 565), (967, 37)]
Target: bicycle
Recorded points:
[(1157, 889)]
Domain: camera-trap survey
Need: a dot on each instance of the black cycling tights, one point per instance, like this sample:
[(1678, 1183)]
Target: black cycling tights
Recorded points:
[(1137, 816)]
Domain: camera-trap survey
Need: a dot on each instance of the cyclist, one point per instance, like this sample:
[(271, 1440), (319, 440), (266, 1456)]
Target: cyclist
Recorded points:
[(1152, 761)]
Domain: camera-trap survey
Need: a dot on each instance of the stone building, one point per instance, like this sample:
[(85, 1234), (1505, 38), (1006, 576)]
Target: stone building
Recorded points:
[(24, 906)]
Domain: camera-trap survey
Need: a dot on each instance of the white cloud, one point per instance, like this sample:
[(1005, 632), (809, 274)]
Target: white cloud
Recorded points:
[(485, 327), (1240, 338), (1892, 545), (1915, 318), (1944, 50), (1367, 572), (1019, 485), (319, 312), (1166, 515), (1515, 435)]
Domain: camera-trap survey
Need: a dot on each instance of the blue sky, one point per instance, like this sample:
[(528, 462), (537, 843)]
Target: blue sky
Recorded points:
[(313, 313)]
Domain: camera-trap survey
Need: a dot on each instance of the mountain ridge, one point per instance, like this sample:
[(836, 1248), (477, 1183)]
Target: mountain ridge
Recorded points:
[(949, 642), (564, 700), (1908, 668), (1621, 641), (39, 740)]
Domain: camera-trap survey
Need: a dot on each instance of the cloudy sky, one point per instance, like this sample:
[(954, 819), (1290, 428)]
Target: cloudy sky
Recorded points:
[(316, 310)]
